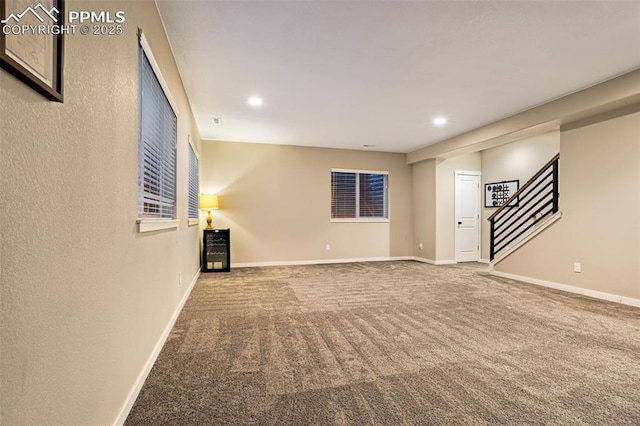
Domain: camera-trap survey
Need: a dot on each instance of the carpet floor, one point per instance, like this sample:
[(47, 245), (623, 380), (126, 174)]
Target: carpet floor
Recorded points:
[(392, 343)]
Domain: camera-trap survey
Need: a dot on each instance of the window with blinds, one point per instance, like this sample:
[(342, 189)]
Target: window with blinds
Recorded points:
[(157, 129), (359, 195), (194, 184)]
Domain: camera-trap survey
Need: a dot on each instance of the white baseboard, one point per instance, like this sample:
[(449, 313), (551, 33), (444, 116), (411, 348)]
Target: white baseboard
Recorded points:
[(318, 261), (571, 289), (135, 390), (424, 260), (431, 261), (349, 260)]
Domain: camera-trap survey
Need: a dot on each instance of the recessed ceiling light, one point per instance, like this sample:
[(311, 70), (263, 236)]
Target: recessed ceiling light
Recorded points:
[(439, 121), (255, 101)]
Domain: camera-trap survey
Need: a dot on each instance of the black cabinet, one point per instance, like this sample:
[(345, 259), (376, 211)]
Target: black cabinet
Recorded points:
[(216, 256)]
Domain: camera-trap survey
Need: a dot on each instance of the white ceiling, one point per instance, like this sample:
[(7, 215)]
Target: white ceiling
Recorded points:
[(348, 73)]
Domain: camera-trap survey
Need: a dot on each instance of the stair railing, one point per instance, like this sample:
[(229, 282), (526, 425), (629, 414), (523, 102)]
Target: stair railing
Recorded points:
[(535, 200)]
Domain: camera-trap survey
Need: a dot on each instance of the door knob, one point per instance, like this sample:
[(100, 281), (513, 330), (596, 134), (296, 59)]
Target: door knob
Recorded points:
[(459, 223)]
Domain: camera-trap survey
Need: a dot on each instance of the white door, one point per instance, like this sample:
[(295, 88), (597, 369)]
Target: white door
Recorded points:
[(467, 216)]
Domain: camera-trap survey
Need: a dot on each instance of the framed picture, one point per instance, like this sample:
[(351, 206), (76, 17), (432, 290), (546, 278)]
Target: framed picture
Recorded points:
[(495, 194), (32, 45)]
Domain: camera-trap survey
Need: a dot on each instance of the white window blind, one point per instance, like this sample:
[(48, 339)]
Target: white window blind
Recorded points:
[(359, 195), (157, 130), (373, 195), (194, 184)]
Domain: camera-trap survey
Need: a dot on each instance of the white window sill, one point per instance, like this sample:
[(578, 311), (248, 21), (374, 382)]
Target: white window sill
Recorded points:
[(361, 220), (193, 222), (149, 225)]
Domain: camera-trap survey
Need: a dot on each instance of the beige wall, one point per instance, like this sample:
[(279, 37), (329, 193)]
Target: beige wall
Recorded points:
[(517, 160), (445, 202), (424, 209), (276, 200), (434, 206), (85, 298), (600, 205)]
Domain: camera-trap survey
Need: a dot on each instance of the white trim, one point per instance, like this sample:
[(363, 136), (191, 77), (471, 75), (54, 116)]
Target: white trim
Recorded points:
[(467, 172), (526, 237), (484, 261), (446, 262), (424, 260), (367, 172), (193, 146), (571, 289), (434, 262), (318, 262), (149, 225), (349, 260), (360, 219), (193, 220), (137, 386), (156, 70)]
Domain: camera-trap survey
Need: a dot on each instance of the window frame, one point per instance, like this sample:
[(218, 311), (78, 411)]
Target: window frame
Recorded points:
[(359, 219), (192, 149), (148, 224)]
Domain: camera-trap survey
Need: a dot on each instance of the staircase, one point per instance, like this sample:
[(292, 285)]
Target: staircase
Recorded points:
[(533, 208)]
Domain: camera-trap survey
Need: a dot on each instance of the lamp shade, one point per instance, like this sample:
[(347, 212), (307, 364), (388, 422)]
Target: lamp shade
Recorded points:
[(209, 202)]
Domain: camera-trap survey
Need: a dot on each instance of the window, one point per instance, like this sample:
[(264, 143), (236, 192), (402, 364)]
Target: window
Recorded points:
[(359, 195), (157, 133), (194, 184)]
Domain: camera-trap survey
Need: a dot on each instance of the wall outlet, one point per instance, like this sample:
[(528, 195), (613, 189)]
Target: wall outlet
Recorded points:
[(327, 247), (420, 246), (577, 267), (179, 277)]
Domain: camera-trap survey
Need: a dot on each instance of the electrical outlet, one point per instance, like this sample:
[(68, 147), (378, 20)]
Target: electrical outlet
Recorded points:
[(577, 267), (420, 246), (327, 247)]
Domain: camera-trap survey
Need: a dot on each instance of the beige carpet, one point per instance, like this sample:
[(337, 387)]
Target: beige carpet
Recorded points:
[(391, 343)]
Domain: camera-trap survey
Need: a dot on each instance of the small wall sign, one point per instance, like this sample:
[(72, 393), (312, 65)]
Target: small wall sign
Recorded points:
[(495, 194)]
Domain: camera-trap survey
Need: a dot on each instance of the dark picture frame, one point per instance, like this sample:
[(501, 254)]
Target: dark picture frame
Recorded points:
[(35, 59), (496, 193)]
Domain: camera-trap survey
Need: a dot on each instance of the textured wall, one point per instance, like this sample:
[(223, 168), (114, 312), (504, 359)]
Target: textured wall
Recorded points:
[(600, 205), (445, 202), (516, 160), (277, 201), (424, 209), (434, 205), (85, 297)]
